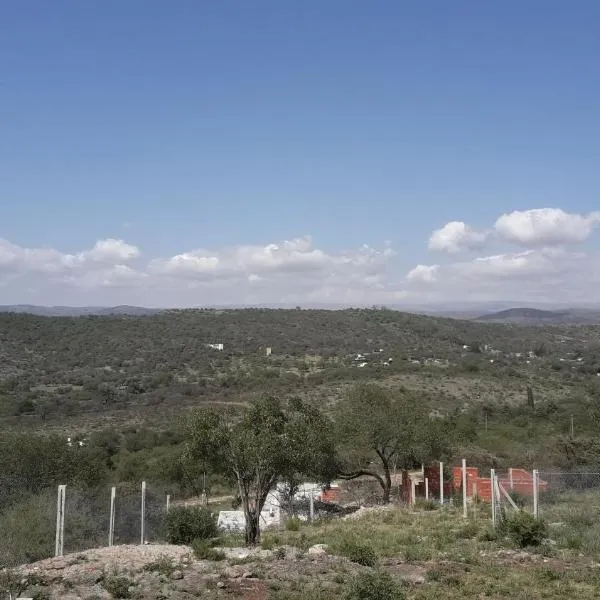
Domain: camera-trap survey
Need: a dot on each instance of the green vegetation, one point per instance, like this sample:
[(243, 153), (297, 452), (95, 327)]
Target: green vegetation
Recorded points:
[(131, 391), (388, 429), (204, 551), (268, 443), (118, 586), (185, 524), (375, 586), (524, 529)]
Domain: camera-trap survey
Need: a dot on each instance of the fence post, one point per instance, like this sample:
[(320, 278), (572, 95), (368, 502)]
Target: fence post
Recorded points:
[(413, 491), (59, 544), (493, 490), (510, 477), (143, 517), (168, 502), (442, 483), (426, 488), (464, 486), (111, 524), (312, 505), (536, 500)]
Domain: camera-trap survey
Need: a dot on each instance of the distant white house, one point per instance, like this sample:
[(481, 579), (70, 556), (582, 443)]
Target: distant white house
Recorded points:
[(235, 520), (215, 346)]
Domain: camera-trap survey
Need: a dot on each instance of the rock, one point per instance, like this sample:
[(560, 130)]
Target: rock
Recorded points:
[(177, 575), (233, 572), (318, 550), (247, 575), (220, 584)]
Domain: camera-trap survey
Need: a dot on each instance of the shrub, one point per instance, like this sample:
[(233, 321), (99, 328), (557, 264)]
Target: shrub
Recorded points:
[(185, 524), (361, 554), (118, 586), (374, 586), (204, 551), (11, 583), (423, 504), (163, 565), (524, 529), (293, 524), (468, 531)]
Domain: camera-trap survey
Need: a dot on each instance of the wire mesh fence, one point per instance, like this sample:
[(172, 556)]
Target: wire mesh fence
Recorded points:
[(559, 487), (45, 525)]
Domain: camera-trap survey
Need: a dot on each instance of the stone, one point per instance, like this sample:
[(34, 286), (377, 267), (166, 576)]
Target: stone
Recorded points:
[(177, 575), (220, 584), (318, 550)]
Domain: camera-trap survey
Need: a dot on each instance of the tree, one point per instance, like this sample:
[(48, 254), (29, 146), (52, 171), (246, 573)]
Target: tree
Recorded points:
[(268, 443), (378, 430)]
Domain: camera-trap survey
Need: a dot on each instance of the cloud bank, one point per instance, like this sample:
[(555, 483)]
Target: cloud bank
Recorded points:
[(534, 255)]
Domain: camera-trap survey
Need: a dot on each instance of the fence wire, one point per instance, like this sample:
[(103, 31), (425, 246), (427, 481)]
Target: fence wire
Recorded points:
[(557, 487)]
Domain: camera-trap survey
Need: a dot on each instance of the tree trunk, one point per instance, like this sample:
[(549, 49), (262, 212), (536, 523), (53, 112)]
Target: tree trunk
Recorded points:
[(386, 482), (252, 534)]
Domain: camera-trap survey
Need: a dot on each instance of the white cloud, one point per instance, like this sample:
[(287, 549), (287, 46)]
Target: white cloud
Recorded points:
[(456, 236), (297, 258), (293, 270), (110, 251), (423, 274), (545, 227), (48, 260), (546, 274)]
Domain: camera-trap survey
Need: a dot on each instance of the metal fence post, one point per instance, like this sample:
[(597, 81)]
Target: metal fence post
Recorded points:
[(111, 524), (442, 483), (59, 544), (536, 480), (464, 486), (143, 515)]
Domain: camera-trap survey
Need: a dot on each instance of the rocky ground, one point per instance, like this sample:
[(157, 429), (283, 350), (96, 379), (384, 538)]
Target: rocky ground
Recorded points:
[(171, 572)]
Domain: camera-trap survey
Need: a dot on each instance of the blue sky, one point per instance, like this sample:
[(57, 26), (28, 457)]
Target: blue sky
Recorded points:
[(200, 134)]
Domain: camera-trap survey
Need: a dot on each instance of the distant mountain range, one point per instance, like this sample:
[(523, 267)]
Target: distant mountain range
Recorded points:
[(521, 315), (536, 316), (78, 311)]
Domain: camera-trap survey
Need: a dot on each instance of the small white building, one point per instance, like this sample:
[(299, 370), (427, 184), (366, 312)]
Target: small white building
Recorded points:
[(215, 346)]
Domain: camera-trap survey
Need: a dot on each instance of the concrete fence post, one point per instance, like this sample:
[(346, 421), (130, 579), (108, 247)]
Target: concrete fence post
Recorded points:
[(312, 506), (536, 490), (168, 502), (493, 492), (464, 487), (111, 523), (59, 543), (413, 491), (143, 514), (442, 483), (426, 488)]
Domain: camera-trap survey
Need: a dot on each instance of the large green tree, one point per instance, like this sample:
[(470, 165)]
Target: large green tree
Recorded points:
[(379, 430), (270, 442)]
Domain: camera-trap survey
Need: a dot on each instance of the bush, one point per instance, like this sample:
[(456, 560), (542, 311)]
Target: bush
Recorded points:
[(117, 586), (423, 504), (293, 524), (374, 586), (361, 554), (204, 551), (184, 525), (524, 529)]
